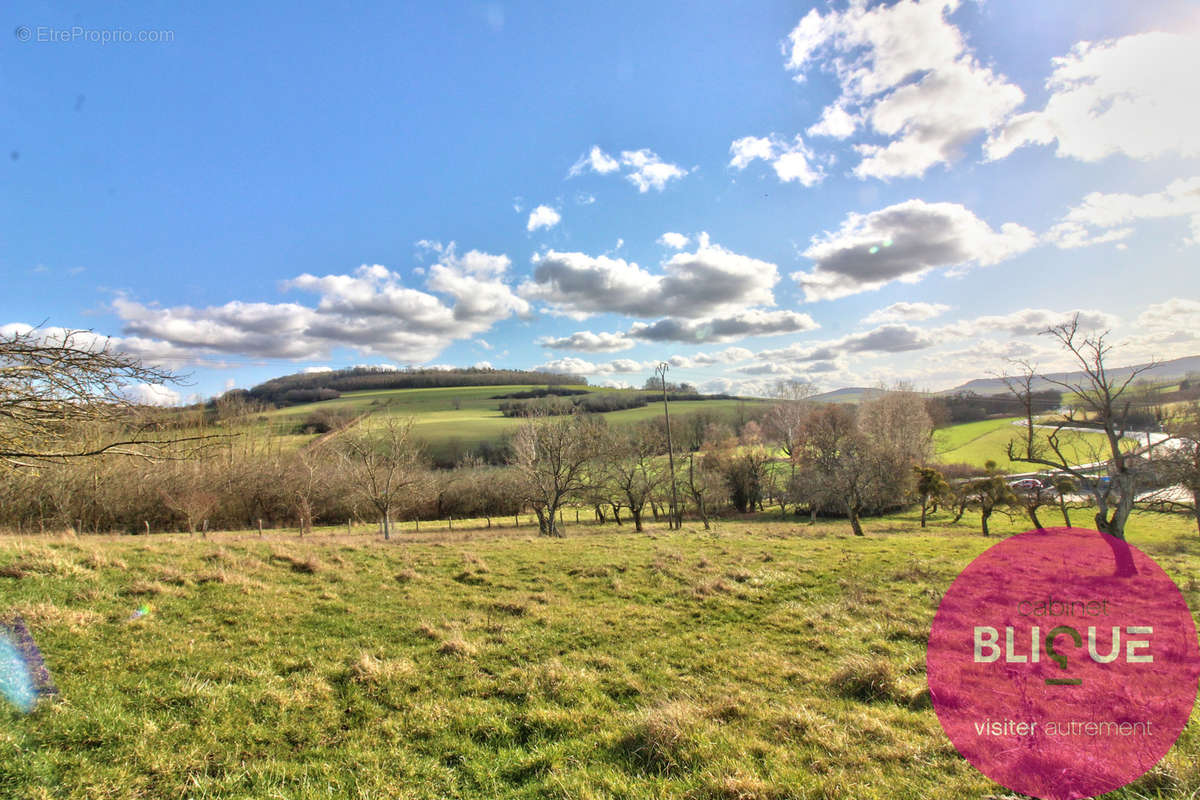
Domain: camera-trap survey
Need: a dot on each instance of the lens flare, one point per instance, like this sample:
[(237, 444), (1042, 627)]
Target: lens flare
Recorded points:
[(874, 249), (15, 681), (140, 612), (23, 674)]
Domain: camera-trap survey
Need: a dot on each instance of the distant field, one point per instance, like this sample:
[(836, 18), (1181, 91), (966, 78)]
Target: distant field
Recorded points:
[(978, 442), (764, 660), (477, 417)]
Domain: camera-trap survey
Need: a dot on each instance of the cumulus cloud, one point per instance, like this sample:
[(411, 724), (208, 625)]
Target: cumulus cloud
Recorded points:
[(835, 122), (675, 241), (595, 160), (643, 168), (369, 310), (587, 341), (751, 322), (707, 282), (153, 394), (904, 242), (905, 70), (579, 366), (1028, 322), (906, 312), (316, 370), (730, 355), (1106, 217), (647, 171), (1176, 314), (1134, 95), (792, 161), (542, 217)]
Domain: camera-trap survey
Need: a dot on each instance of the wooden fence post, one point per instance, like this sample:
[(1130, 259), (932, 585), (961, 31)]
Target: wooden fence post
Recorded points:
[(260, 527)]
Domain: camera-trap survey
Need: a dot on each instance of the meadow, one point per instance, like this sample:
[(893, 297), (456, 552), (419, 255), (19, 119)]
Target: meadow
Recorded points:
[(765, 659), (977, 443), (460, 418)]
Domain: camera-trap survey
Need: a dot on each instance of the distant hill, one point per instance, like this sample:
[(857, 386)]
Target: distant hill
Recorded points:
[(1175, 369), (308, 387), (854, 394)]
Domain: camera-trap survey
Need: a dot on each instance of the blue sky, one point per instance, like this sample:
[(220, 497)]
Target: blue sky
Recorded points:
[(859, 193)]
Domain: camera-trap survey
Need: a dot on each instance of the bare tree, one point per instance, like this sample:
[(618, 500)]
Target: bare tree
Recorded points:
[(1180, 465), (630, 468), (1107, 402), (784, 421), (705, 485), (553, 457), (384, 464), (54, 383)]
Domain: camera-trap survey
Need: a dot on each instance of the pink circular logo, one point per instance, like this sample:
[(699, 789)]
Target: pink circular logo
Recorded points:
[(1056, 672)]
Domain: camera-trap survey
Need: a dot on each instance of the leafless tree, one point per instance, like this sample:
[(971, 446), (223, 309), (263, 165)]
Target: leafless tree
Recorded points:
[(384, 464), (1180, 465), (553, 457), (784, 421), (629, 466), (55, 383), (1107, 402)]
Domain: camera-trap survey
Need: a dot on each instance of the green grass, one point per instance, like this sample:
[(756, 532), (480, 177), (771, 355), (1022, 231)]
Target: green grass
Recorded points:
[(987, 440), (460, 418), (501, 665)]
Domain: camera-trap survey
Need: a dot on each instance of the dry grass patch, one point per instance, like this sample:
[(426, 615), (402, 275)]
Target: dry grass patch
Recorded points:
[(665, 738), (407, 575), (48, 615), (455, 644), (866, 679), (372, 671), (144, 589)]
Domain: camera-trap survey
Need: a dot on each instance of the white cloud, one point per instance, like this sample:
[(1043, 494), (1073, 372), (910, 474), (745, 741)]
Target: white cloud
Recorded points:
[(369, 310), (596, 160), (587, 341), (1135, 95), (742, 324), (643, 168), (730, 355), (153, 394), (1027, 322), (542, 217), (316, 370), (578, 366), (1112, 213), (1176, 314), (906, 312), (482, 365), (708, 282), (792, 161), (648, 171), (906, 70), (904, 242), (675, 241), (835, 122)]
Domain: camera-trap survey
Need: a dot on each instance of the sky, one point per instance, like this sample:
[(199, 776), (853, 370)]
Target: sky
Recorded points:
[(844, 193)]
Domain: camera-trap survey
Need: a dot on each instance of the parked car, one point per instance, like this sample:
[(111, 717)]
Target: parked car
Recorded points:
[(1028, 483)]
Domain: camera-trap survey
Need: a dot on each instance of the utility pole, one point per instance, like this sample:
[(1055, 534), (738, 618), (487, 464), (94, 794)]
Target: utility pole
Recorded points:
[(675, 518)]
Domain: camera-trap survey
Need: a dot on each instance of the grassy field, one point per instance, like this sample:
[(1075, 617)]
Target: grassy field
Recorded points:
[(463, 417), (978, 442), (763, 660)]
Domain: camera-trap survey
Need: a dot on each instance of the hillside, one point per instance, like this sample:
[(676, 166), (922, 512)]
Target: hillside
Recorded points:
[(305, 387), (1166, 371)]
